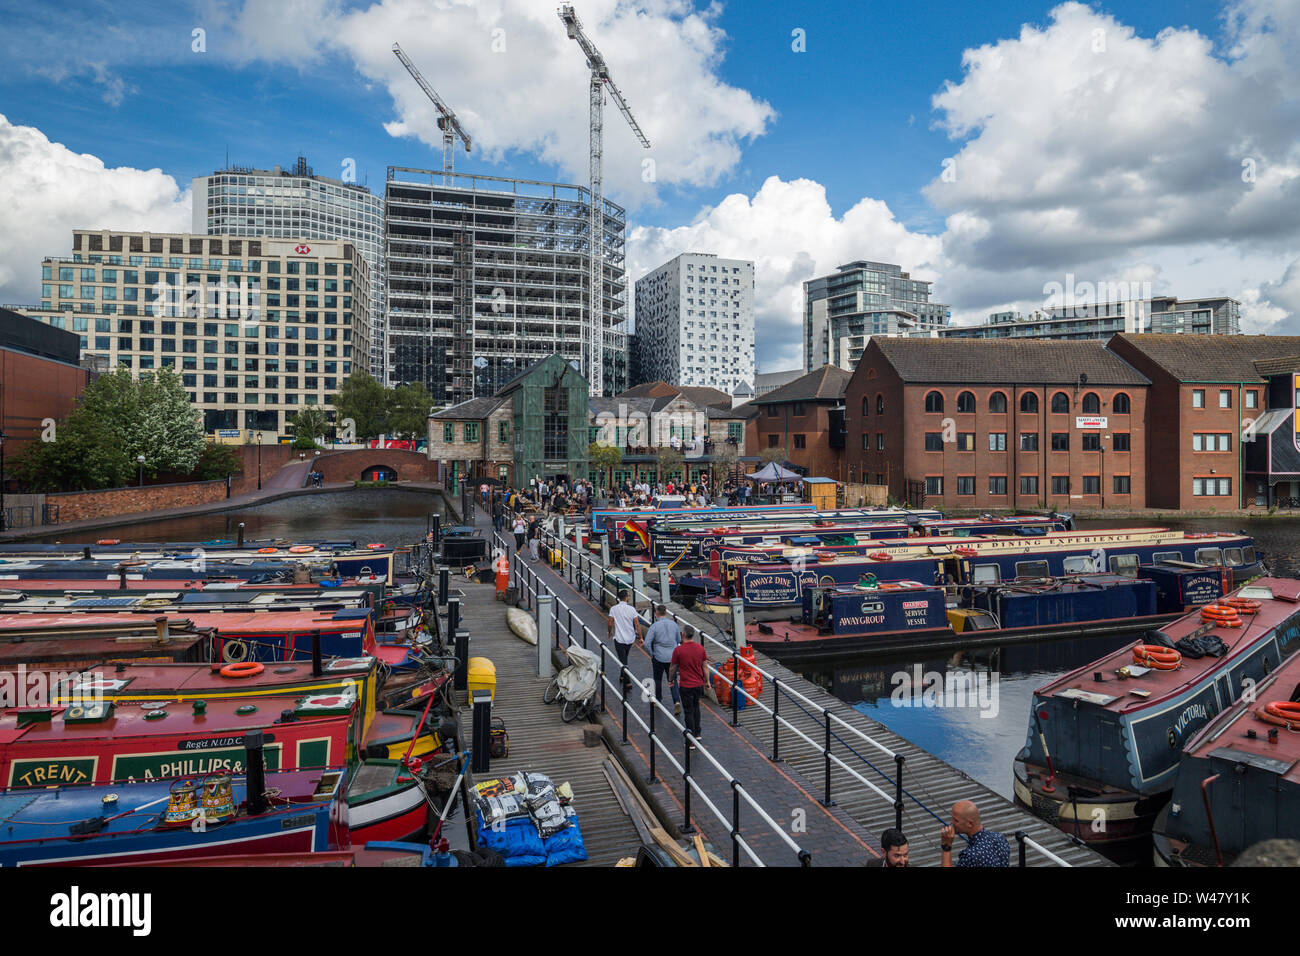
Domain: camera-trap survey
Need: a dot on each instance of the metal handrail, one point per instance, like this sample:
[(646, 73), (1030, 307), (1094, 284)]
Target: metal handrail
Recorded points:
[(1023, 840), (536, 585)]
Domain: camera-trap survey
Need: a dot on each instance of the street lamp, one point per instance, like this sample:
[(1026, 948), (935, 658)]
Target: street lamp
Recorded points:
[(259, 461), (140, 461)]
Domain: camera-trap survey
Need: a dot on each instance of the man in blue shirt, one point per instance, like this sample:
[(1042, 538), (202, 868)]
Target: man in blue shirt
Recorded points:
[(983, 847), (660, 642)]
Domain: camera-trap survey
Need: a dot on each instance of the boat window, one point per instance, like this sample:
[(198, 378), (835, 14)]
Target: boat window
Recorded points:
[(1232, 557), (985, 574), (1168, 556), (1124, 564), (1031, 569), (1078, 564), (1209, 556), (1248, 555)]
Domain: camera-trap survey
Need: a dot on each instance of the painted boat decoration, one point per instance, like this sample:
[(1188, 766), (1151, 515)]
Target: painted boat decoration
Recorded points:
[(1104, 741)]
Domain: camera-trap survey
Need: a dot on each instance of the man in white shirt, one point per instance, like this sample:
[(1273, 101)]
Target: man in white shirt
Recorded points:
[(624, 630)]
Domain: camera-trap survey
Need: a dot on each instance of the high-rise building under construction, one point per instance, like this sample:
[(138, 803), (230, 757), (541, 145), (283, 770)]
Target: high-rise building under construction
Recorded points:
[(486, 276)]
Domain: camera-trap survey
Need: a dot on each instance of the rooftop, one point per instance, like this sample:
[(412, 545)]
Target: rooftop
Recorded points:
[(1212, 358), (824, 384), (998, 361)]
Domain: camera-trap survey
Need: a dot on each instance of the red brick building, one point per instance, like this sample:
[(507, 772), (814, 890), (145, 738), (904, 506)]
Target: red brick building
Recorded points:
[(998, 424), (1204, 389), (806, 419), (40, 377)]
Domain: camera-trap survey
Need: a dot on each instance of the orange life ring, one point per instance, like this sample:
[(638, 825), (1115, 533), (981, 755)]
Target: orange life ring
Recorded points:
[(301, 549), (108, 541), (966, 552), (1221, 614), (376, 547), (1241, 605), (243, 669), (880, 556), (266, 550), (1283, 713), (1160, 658)]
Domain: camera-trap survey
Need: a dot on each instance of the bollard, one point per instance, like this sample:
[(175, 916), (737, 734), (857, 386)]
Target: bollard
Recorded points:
[(481, 752), (254, 773), (604, 552), (241, 535), (638, 584), (665, 586), (738, 621), (453, 615), (545, 629), (444, 586), (460, 681), (435, 525)]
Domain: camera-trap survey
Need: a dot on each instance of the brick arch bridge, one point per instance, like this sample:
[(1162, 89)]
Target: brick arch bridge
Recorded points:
[(357, 465)]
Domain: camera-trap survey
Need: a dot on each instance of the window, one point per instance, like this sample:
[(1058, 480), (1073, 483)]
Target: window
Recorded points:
[(1121, 404), (1060, 484), (866, 441), (866, 407), (997, 403), (1060, 404), (800, 441), (965, 484), (448, 432), (965, 441), (1032, 569), (1225, 398), (1029, 403), (1212, 487), (1091, 441), (1091, 403), (1247, 553), (773, 411), (1120, 441), (1198, 398), (986, 574), (471, 431), (966, 403), (880, 404), (1029, 441), (934, 484), (772, 440), (933, 441), (1252, 399), (1029, 484), (1210, 556), (1220, 441), (997, 441), (934, 402), (1120, 484), (1125, 564), (797, 410), (1092, 484), (1060, 441), (503, 430), (880, 441), (1079, 564), (1232, 557), (997, 484)]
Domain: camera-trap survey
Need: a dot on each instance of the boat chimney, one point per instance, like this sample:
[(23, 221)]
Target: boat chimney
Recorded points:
[(241, 534), (85, 553), (121, 579), (316, 669), (255, 774), (164, 635)]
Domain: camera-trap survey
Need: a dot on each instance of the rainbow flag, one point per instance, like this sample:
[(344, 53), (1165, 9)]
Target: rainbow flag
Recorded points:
[(638, 529)]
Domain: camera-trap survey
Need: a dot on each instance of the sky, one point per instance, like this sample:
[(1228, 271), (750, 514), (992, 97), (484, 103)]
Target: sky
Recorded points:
[(1000, 149)]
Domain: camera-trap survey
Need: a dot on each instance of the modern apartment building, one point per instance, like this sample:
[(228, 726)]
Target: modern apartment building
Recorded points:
[(844, 309), (487, 276), (295, 203), (257, 328), (695, 322), (1159, 315)]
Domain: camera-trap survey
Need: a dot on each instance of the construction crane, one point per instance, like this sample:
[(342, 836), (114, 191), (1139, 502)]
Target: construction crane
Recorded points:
[(594, 353), (447, 121)]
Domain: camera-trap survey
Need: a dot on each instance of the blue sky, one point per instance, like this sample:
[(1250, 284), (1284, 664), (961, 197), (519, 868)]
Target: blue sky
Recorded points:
[(854, 115)]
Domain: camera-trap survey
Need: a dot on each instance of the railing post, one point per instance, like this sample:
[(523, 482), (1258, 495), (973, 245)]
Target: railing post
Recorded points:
[(665, 586), (604, 552), (735, 822), (826, 754), (653, 743), (1020, 839), (622, 683), (776, 720), (545, 641), (735, 689), (638, 582), (686, 826), (602, 674), (898, 791)]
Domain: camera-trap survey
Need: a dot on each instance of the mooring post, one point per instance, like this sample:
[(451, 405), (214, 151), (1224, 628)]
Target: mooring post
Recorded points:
[(665, 588), (738, 621), (545, 629)]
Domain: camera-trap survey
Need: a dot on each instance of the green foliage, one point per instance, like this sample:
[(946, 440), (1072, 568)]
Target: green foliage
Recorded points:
[(310, 423), (769, 455), (217, 461), (670, 461), (408, 411), (604, 457), (117, 418), (366, 402)]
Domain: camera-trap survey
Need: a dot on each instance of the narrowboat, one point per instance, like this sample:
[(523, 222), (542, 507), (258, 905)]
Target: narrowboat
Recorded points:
[(1104, 741), (1238, 779), (72, 643), (157, 821), (986, 560)]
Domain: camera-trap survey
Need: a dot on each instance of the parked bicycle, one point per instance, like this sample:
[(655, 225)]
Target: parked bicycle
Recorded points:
[(576, 686)]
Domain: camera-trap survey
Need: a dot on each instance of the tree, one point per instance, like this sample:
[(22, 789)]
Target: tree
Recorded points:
[(308, 425), (408, 411), (217, 461), (366, 402), (670, 462), (169, 433), (724, 462), (769, 455), (605, 458)]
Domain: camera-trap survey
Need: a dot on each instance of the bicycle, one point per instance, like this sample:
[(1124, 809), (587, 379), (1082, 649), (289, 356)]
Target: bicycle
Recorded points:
[(576, 686)]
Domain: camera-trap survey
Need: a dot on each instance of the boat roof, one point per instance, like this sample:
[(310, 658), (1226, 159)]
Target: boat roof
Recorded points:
[(165, 600), (1116, 696), (266, 622), (186, 680)]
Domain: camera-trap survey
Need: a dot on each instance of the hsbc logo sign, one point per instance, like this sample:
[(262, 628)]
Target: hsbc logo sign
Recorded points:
[(302, 249)]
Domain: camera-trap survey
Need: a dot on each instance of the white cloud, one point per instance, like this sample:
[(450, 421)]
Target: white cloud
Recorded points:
[(790, 232), (47, 190), (517, 82)]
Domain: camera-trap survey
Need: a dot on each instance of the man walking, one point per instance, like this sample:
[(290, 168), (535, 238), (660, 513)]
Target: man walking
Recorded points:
[(534, 536), (660, 642), (687, 670), (624, 630)]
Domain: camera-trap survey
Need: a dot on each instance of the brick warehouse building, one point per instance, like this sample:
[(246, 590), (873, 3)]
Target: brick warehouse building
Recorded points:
[(806, 419), (40, 376), (999, 424), (1203, 391)]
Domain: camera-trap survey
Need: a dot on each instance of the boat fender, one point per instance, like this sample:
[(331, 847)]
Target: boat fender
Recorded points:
[(522, 625)]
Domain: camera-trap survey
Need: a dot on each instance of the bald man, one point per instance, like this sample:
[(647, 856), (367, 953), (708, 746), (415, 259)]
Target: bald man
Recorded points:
[(983, 847)]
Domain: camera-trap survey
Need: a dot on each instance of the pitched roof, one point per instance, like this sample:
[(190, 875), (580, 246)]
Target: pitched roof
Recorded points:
[(706, 397), (1282, 365), (698, 394), (472, 410), (999, 361), (825, 384), (1212, 358), (746, 410), (659, 389)]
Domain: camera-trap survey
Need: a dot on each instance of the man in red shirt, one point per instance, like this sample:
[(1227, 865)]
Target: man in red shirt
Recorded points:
[(688, 670)]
